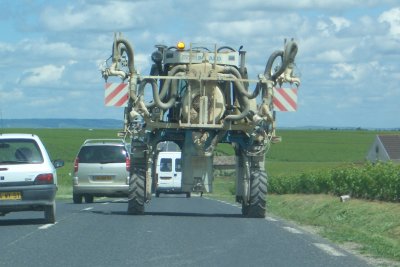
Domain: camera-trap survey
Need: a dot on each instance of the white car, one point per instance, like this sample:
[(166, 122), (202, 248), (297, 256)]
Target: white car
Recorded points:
[(169, 174), (28, 179)]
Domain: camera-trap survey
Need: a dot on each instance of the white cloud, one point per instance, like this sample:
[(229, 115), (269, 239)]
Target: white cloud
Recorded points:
[(11, 95), (392, 17), (45, 75), (47, 48), (6, 48), (285, 5), (143, 63), (259, 29), (45, 101), (343, 70), (362, 75), (349, 102), (109, 16), (331, 26), (340, 23), (331, 56), (76, 94)]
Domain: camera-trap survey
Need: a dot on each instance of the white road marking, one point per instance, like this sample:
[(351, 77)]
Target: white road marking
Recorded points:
[(46, 226), (86, 209), (119, 200), (324, 247), (328, 249), (270, 219), (292, 230)]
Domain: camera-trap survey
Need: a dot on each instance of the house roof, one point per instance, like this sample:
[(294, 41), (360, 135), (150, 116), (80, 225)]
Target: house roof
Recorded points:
[(391, 144)]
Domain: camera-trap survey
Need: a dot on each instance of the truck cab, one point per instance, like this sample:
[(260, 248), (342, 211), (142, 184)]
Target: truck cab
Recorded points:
[(169, 173)]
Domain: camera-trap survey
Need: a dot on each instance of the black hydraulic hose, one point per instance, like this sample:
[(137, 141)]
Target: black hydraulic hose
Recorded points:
[(287, 55), (165, 87), (226, 47), (240, 86), (156, 96), (129, 51), (268, 67), (172, 72), (240, 116), (244, 100)]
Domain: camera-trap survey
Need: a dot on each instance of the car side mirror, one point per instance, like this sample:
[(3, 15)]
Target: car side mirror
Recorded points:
[(58, 163)]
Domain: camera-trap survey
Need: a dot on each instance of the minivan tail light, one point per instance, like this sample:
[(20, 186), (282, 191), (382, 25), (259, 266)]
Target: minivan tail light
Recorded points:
[(44, 178), (76, 164), (128, 163)]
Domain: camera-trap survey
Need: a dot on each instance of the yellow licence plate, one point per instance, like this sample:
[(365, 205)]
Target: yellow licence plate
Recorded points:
[(103, 178), (10, 196)]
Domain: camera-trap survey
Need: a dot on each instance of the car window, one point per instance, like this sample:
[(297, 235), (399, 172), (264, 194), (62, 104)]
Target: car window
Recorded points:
[(178, 166), (166, 165), (102, 154), (19, 151)]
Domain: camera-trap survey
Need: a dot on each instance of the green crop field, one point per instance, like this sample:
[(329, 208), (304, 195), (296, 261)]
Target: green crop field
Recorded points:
[(307, 150), (300, 151)]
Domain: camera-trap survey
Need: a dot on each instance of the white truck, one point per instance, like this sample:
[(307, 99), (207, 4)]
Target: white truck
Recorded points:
[(169, 173)]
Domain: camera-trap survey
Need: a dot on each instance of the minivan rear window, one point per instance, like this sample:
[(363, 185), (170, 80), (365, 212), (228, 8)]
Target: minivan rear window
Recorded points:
[(102, 154), (166, 165), (19, 151), (178, 165)]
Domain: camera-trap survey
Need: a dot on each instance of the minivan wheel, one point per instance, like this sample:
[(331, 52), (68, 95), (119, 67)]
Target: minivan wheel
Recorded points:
[(77, 198), (89, 198), (50, 213)]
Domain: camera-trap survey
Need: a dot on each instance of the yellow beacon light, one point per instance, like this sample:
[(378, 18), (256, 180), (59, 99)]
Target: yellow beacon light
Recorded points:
[(180, 45)]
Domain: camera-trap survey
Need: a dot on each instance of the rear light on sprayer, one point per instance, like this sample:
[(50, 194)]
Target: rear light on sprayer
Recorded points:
[(44, 178)]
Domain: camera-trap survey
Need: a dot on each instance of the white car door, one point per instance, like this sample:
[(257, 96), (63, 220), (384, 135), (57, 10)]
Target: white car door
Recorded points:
[(177, 175)]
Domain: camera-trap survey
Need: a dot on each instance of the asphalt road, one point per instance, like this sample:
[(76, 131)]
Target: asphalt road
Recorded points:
[(175, 231)]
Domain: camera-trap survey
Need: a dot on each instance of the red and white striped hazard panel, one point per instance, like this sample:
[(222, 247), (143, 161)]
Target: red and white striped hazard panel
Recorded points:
[(116, 94), (285, 99)]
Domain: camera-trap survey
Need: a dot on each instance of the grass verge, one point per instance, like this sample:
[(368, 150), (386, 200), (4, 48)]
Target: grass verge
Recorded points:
[(372, 226)]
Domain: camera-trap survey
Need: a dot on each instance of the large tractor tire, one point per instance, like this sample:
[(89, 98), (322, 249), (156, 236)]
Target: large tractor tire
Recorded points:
[(256, 207), (136, 196)]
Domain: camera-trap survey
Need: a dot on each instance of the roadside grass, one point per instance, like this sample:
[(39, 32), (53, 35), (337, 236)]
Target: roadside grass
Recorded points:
[(372, 227)]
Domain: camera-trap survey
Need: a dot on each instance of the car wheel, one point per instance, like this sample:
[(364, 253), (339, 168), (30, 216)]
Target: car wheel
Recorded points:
[(89, 198), (50, 213), (77, 198)]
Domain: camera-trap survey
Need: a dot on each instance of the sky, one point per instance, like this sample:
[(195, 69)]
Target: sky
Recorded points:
[(51, 52)]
